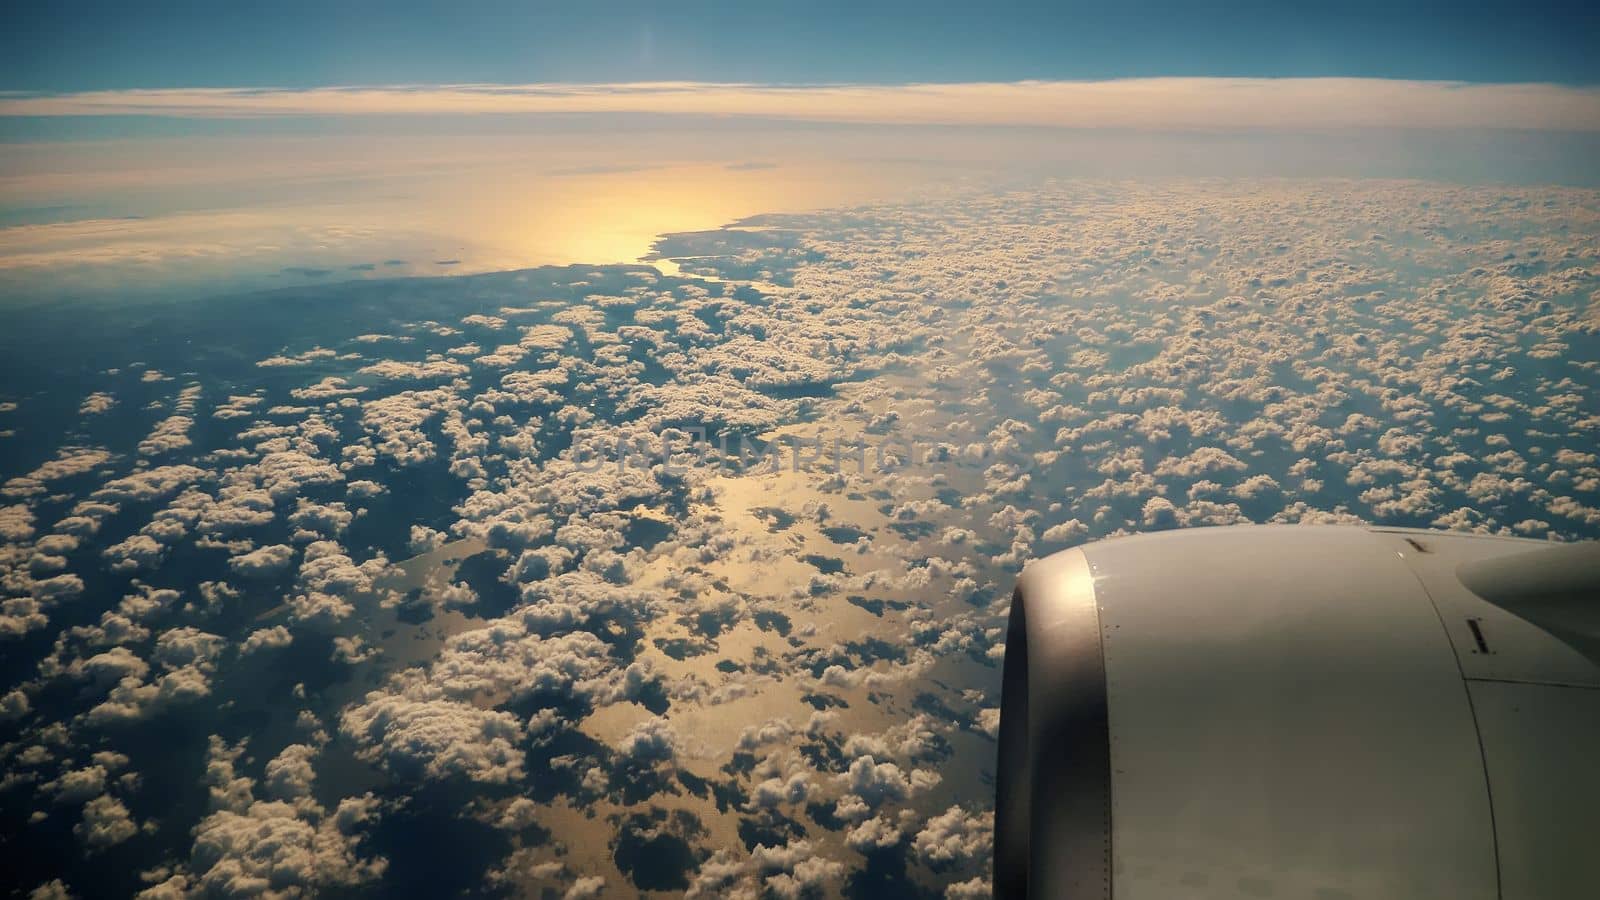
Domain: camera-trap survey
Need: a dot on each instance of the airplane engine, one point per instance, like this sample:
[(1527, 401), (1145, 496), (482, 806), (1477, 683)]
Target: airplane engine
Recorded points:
[(1318, 712)]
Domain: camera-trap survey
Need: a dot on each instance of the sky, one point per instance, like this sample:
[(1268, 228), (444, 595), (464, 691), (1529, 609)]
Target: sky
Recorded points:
[(97, 70), (187, 148), (100, 45)]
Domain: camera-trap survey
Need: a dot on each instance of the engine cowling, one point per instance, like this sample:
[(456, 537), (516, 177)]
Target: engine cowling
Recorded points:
[(1299, 711)]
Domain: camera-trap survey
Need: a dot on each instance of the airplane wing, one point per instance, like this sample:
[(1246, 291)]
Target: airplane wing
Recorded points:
[(1302, 711)]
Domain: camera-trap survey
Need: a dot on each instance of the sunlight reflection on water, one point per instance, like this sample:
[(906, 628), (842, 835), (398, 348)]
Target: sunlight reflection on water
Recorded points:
[(415, 223)]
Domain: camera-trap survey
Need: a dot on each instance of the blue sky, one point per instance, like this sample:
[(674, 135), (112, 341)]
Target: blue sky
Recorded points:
[(100, 45), (252, 141)]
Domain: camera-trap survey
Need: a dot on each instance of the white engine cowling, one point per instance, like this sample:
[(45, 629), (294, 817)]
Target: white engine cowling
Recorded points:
[(1302, 712)]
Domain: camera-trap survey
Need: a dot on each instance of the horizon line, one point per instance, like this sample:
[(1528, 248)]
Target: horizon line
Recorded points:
[(1168, 102)]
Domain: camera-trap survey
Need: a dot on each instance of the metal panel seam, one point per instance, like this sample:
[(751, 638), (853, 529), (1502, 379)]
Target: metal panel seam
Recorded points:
[(1105, 685), (1477, 730)]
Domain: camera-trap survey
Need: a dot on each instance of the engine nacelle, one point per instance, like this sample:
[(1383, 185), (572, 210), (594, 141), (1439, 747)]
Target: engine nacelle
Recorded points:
[(1301, 712)]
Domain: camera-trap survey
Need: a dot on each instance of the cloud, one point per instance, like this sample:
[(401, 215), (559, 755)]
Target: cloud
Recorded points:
[(425, 539), (397, 422), (873, 835), (106, 823), (723, 874), (272, 848), (874, 782), (955, 838), (916, 738), (1180, 103), (585, 888), (794, 870), (1065, 531), (14, 705), (365, 489), (1214, 370), (54, 889), (330, 579), (133, 699), (150, 484), (989, 721), (266, 639), (112, 666), (187, 646), (78, 785), (353, 650), (263, 561), (651, 740), (170, 434), (16, 522), (772, 731), (289, 775), (436, 739), (774, 792), (320, 519), (971, 889), (136, 552), (395, 370), (69, 461)]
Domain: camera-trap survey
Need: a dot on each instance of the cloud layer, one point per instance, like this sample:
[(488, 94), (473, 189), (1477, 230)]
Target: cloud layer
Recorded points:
[(396, 582), (1142, 103)]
